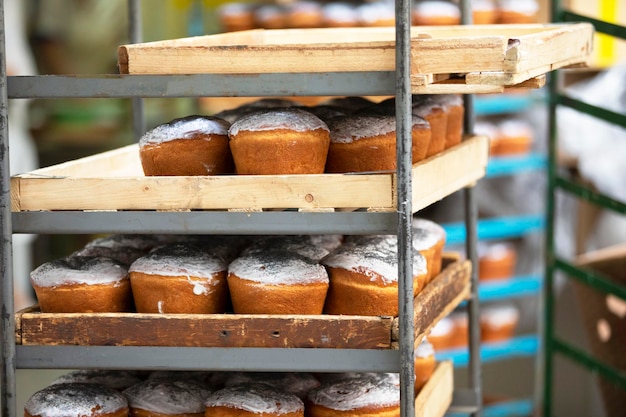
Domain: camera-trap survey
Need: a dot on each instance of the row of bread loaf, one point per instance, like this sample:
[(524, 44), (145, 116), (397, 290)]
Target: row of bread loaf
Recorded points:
[(119, 393), (275, 136), (235, 16), (251, 275)]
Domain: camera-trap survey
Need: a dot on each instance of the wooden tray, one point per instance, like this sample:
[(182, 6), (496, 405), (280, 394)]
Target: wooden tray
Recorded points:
[(435, 397), (438, 299), (114, 180), (483, 55)]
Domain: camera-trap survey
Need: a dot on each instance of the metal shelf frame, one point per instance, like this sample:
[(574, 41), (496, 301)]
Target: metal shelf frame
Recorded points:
[(138, 87), (557, 182)]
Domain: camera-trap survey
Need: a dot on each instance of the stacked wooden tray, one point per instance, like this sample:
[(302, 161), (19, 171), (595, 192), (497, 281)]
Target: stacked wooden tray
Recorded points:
[(114, 181), (445, 59), (437, 300)]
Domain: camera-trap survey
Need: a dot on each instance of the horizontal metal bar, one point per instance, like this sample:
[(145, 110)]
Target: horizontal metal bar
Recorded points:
[(595, 111), (591, 278), (610, 373), (601, 26), (589, 195), (204, 222), (509, 408), (193, 358), (464, 401), (207, 85)]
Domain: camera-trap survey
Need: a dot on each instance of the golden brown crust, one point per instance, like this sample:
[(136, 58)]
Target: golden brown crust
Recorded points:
[(510, 16), (165, 294), (354, 293), (316, 410), (424, 368), (222, 411), (454, 126), (375, 153), (249, 297), (83, 298), (438, 124), (203, 155), (280, 151), (421, 20)]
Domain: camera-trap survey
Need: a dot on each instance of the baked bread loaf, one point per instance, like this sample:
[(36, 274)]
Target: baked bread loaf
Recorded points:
[(424, 358), (279, 141), (442, 333), (517, 11), (429, 239), (496, 261), (339, 14), (296, 383), (76, 399), (435, 13), (454, 108), (367, 143), (235, 16), (119, 380), (498, 322), (484, 12), (253, 400), (270, 16), (161, 398), (434, 114), (82, 284), (364, 276), (277, 282), (377, 13), (359, 396), (304, 14), (193, 145), (179, 278)]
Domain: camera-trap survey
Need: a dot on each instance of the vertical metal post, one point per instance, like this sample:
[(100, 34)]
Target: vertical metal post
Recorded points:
[(7, 332), (548, 289), (471, 220), (135, 32), (405, 213)]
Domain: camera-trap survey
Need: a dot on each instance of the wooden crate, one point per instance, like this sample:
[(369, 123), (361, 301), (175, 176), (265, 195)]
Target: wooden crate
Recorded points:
[(462, 59), (437, 299), (114, 180)]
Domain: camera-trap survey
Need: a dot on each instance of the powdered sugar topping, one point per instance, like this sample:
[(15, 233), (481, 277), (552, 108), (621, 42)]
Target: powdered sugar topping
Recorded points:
[(168, 397), (278, 268), (78, 270), (259, 399), (185, 128), (179, 259), (75, 400), (355, 393), (278, 118)]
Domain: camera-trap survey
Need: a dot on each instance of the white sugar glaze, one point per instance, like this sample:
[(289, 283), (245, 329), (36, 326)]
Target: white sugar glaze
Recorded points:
[(185, 128), (256, 399), (355, 393), (278, 118), (374, 256), (437, 8), (75, 400), (179, 259), (425, 349), (348, 129), (278, 268), (78, 270), (296, 383), (116, 379), (168, 397)]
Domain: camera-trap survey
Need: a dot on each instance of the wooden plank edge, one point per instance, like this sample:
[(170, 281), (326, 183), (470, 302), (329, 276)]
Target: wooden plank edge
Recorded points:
[(434, 399), (428, 310)]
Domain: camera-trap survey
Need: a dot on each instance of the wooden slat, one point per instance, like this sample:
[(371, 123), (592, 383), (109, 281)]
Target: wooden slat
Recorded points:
[(94, 183), (435, 397), (510, 49)]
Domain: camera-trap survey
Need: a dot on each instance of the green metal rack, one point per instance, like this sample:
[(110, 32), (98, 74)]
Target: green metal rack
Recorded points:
[(557, 181)]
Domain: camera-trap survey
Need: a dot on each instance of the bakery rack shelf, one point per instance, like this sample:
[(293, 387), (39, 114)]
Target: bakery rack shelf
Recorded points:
[(511, 165), (504, 408), (516, 287), (516, 347), (507, 227)]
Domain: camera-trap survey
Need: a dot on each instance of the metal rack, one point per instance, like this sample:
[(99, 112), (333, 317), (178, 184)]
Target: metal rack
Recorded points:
[(137, 87), (557, 181)]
